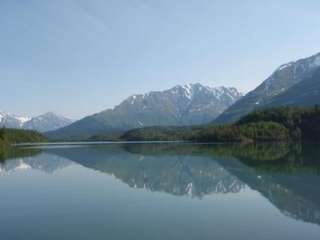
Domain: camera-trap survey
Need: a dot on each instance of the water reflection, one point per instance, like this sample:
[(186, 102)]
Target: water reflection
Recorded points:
[(286, 175), (163, 170), (47, 163)]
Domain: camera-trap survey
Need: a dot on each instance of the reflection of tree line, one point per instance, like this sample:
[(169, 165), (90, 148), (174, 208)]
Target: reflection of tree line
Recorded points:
[(7, 152), (273, 157), (277, 157), (288, 179), (287, 175), (258, 152)]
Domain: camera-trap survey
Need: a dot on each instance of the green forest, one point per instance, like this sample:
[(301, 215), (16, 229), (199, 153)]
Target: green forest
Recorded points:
[(13, 136), (276, 124)]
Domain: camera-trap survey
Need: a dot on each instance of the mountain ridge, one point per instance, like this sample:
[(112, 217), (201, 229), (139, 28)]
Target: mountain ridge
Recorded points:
[(46, 122), (280, 81), (189, 104)]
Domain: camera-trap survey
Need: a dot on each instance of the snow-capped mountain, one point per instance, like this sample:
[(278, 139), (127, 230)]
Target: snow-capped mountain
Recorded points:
[(190, 104), (12, 121), (46, 122), (282, 79)]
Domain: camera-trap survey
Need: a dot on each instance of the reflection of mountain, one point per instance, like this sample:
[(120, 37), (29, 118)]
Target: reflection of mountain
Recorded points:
[(44, 162), (296, 195), (175, 173), (286, 175)]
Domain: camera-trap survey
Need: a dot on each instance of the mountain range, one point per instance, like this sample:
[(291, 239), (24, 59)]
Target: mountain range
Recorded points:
[(191, 104), (43, 123), (292, 84)]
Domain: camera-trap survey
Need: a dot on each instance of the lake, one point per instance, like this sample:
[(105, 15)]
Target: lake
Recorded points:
[(160, 191)]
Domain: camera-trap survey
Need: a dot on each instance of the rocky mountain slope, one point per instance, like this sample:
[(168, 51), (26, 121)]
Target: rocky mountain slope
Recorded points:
[(305, 93), (285, 77), (181, 105)]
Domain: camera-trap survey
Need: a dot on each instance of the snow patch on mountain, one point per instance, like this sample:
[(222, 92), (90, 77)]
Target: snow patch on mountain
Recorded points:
[(2, 115), (46, 122), (23, 119), (12, 121), (284, 66), (187, 90)]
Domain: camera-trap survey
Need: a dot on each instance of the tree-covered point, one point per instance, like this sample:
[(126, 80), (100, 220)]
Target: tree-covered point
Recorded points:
[(278, 124), (302, 123), (261, 131), (12, 136)]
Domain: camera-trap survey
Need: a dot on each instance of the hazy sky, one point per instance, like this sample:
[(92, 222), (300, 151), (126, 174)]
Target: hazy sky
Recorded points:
[(77, 57)]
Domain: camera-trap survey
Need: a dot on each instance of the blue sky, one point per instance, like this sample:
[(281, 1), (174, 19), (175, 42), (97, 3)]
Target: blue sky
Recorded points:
[(78, 57)]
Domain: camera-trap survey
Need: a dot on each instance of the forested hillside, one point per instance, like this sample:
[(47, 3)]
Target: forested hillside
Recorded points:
[(11, 136), (279, 124)]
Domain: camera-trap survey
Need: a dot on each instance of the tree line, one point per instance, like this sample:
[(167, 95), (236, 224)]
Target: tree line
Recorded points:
[(276, 124)]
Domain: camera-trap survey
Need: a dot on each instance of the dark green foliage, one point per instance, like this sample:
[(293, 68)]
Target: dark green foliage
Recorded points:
[(161, 134), (11, 136), (218, 134), (263, 131), (302, 123), (279, 124), (109, 136)]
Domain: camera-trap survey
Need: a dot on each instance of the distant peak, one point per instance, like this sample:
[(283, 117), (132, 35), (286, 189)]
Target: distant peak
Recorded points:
[(49, 114)]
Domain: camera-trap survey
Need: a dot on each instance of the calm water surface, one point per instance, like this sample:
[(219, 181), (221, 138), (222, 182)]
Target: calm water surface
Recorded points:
[(160, 191)]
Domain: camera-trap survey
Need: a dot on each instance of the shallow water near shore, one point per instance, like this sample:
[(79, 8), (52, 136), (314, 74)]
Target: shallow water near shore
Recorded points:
[(160, 191)]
